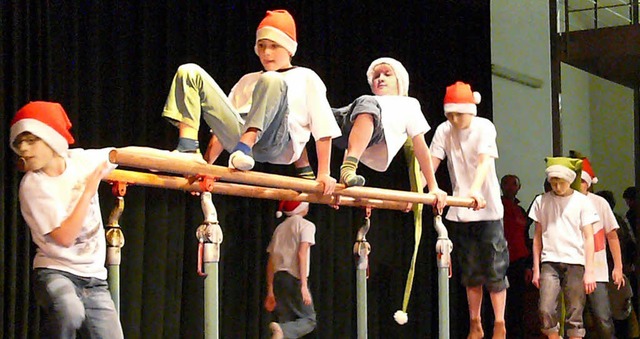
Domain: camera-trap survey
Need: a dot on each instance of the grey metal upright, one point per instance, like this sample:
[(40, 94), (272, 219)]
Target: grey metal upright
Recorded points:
[(209, 235), (115, 242), (444, 247), (362, 249)]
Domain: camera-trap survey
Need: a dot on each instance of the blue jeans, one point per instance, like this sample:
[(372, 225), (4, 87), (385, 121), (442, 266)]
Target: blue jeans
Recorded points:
[(294, 317), (194, 94), (566, 278), (71, 303), (600, 309)]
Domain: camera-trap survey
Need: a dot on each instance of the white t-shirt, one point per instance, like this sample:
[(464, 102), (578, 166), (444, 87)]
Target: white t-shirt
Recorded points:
[(285, 242), (309, 110), (47, 201), (400, 117), (562, 220), (604, 226), (462, 149)]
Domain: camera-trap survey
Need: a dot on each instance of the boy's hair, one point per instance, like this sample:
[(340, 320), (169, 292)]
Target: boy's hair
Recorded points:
[(279, 27), (46, 120), (401, 73), (629, 193), (460, 99), (504, 178)]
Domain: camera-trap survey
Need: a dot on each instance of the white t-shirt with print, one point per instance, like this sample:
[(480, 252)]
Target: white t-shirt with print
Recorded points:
[(562, 220), (601, 228), (47, 201), (462, 149)]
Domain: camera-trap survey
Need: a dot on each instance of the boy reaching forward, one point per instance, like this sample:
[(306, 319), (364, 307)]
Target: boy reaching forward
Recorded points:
[(375, 127), (287, 271), (284, 106), (469, 144), (563, 248), (59, 202)]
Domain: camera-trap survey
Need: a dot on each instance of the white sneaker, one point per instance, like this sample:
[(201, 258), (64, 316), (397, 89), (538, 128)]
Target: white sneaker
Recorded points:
[(241, 161)]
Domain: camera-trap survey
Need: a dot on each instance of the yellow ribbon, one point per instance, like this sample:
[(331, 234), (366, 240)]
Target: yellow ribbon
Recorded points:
[(415, 177)]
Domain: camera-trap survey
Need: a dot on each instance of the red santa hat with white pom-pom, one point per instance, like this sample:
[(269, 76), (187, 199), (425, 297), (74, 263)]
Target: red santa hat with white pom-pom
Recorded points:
[(460, 99), (588, 175), (290, 208)]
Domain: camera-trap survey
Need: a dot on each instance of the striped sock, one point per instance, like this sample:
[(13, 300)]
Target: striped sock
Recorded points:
[(305, 173), (348, 174)]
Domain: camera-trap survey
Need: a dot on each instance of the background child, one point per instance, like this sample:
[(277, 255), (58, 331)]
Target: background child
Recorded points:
[(469, 144), (284, 105), (374, 127), (604, 230), (287, 272), (519, 272), (563, 248), (59, 202)]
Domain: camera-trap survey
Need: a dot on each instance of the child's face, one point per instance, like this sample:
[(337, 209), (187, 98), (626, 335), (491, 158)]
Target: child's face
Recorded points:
[(384, 80), (460, 120), (35, 152), (273, 56), (560, 187), (510, 186), (584, 187)]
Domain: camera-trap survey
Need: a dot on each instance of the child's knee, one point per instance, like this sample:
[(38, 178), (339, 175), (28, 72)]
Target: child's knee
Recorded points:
[(70, 311), (189, 70)]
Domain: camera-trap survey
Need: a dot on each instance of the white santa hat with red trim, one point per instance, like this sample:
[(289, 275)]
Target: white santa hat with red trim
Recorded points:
[(290, 208), (46, 120), (588, 175), (460, 99), (279, 27), (401, 73)]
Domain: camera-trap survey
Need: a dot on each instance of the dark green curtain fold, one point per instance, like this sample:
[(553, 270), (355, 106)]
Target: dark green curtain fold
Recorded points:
[(110, 65)]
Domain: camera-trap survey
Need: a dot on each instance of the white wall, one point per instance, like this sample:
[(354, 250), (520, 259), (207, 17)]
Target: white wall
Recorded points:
[(611, 108), (522, 115), (596, 115)]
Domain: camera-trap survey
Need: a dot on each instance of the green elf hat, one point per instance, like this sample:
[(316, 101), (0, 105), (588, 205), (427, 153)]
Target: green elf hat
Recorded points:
[(567, 169)]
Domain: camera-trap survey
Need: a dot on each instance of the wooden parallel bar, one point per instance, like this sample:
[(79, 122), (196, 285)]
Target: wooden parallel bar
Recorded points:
[(179, 163), (185, 184)]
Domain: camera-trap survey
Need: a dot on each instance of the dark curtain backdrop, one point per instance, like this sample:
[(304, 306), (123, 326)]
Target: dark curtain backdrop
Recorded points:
[(110, 64)]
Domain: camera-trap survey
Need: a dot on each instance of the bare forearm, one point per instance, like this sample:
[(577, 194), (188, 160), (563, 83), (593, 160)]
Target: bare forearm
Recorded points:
[(270, 273), (69, 229), (323, 148), (424, 159), (303, 262), (614, 247), (537, 247), (481, 173), (589, 246)]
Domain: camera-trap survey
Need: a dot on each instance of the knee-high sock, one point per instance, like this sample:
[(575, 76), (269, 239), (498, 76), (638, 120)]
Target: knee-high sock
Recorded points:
[(348, 174), (305, 172)]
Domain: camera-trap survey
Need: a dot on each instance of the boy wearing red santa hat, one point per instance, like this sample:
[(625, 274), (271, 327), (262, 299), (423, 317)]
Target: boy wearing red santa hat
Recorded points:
[(287, 272), (59, 201), (269, 116)]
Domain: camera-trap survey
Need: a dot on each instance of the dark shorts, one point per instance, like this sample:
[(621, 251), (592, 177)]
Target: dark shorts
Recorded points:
[(481, 252), (366, 104)]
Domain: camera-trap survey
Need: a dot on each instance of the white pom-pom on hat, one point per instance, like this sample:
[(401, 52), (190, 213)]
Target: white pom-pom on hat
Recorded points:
[(477, 97), (290, 208), (401, 317)]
